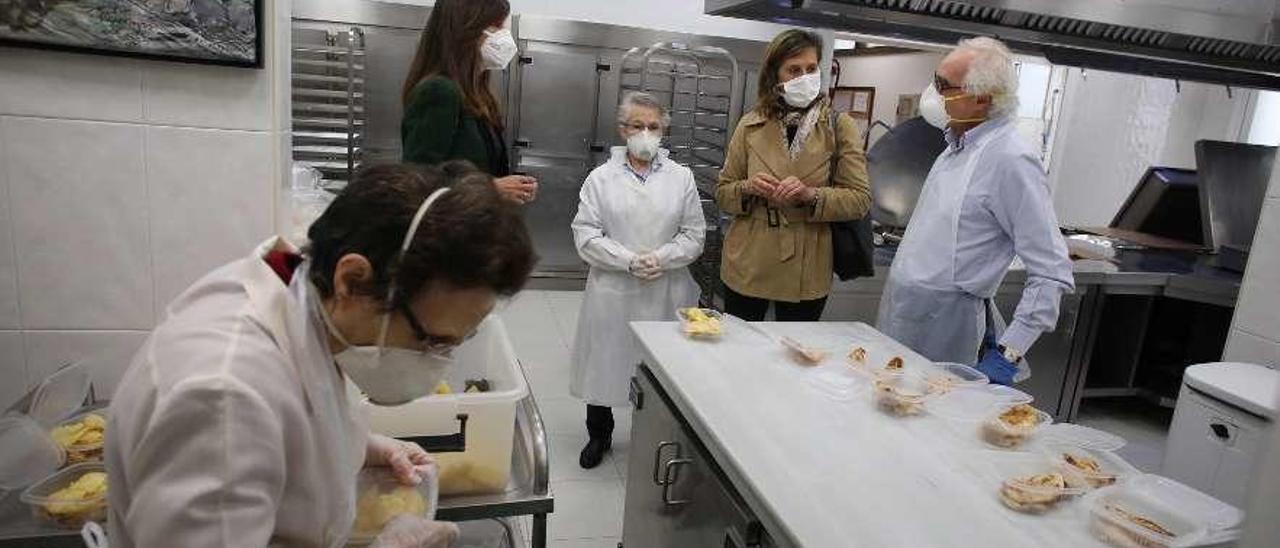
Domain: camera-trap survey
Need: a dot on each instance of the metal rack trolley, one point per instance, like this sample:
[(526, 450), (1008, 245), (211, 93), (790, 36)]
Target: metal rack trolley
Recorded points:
[(697, 86), (329, 100)]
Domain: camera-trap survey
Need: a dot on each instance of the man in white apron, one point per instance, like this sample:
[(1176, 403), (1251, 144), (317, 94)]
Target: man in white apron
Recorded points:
[(984, 203)]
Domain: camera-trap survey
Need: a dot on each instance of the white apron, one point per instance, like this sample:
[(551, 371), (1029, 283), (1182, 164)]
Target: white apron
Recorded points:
[(641, 217), (922, 306)]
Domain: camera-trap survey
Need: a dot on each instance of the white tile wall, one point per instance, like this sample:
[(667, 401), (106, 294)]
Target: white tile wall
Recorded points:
[(1243, 346), (13, 362), (9, 316), (80, 223), (205, 96), (1258, 311), (210, 201), (107, 353), (67, 85)]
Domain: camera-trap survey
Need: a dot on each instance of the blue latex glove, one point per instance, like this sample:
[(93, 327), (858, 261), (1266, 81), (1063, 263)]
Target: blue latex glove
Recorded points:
[(996, 367)]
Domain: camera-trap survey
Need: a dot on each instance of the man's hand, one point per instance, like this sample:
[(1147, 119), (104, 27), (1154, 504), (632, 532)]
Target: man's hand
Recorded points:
[(996, 367), (409, 462)]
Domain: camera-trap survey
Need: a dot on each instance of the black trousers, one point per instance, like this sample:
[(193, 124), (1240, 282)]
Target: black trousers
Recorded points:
[(599, 422), (753, 309)]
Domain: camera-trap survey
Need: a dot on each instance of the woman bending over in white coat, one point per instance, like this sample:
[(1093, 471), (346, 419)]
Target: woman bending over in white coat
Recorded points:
[(639, 226), (237, 423)]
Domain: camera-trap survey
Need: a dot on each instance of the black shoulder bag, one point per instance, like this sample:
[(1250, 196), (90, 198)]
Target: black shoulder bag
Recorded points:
[(852, 249)]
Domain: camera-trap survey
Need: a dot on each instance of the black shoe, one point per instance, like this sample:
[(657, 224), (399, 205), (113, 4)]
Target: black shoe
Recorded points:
[(594, 452)]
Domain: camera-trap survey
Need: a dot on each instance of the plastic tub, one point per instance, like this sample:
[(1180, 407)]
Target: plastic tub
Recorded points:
[(975, 403), (999, 432), (900, 395), (1155, 512), (27, 454), (946, 377), (485, 466), (84, 451), (52, 506), (1088, 468), (712, 328), (380, 497), (1028, 483)]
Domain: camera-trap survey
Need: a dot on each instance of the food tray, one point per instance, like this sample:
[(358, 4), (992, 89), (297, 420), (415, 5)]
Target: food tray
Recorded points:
[(1004, 475), (998, 433), (84, 452), (375, 482), (900, 395), (1191, 517), (686, 326), (1111, 468), (65, 514)]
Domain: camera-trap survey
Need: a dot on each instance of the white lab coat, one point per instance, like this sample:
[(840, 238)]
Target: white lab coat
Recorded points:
[(233, 426), (620, 217)]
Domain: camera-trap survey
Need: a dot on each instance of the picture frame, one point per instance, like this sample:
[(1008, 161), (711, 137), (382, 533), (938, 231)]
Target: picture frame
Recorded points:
[(213, 32), (859, 103)]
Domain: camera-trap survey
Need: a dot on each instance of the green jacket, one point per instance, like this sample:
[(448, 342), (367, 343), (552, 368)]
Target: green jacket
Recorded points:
[(437, 127)]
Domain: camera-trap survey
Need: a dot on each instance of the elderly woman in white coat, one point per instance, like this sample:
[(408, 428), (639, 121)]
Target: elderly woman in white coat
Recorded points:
[(639, 226)]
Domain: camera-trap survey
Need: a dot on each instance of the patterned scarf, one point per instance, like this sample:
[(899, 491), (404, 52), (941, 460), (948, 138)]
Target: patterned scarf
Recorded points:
[(804, 121)]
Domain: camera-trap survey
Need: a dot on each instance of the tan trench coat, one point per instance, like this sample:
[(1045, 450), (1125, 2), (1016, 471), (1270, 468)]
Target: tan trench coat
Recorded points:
[(788, 259)]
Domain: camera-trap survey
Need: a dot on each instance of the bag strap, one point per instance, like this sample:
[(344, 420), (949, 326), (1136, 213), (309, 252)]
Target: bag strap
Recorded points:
[(833, 120)]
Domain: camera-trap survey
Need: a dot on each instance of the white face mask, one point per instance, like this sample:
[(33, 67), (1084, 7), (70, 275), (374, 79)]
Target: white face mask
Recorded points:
[(498, 48), (933, 108), (391, 375), (800, 91), (644, 145)]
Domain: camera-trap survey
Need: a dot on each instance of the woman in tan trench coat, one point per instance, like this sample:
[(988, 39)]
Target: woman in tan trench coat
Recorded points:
[(778, 184)]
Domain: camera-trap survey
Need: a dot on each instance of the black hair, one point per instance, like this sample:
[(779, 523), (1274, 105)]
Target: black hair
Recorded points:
[(470, 238)]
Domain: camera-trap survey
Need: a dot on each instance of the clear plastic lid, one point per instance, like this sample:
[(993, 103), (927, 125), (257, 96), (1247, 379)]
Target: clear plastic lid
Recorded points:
[(837, 383), (1151, 510), (1088, 468), (380, 497), (1083, 437), (945, 377), (27, 453), (975, 403), (60, 395), (86, 501), (901, 395)]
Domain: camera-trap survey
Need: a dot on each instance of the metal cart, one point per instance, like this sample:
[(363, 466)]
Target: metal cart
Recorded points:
[(697, 85), (527, 495), (329, 100)]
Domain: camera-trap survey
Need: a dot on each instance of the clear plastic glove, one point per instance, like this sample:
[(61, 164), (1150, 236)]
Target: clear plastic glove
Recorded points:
[(415, 532), (647, 267), (409, 462)]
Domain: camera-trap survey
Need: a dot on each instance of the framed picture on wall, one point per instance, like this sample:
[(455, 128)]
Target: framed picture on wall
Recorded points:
[(859, 102), (219, 32)]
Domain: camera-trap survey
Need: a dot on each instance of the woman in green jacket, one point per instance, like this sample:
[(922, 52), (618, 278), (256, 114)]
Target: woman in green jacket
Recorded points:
[(449, 112)]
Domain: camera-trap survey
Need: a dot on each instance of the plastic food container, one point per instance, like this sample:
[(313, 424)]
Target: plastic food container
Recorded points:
[(1154, 512), (1088, 468), (485, 466), (900, 395), (60, 395), (949, 376), (51, 507), (999, 432), (1028, 483), (381, 498), (975, 403), (83, 452), (713, 328), (27, 454)]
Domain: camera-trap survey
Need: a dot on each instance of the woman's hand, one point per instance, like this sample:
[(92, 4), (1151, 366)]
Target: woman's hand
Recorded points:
[(792, 191), (409, 462), (520, 189), (762, 185)]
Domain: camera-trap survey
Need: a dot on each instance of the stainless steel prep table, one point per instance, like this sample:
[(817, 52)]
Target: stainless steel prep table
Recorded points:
[(527, 494), (748, 428)]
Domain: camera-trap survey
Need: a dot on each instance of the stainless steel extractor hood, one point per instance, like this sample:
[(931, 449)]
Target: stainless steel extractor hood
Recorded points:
[(1230, 42)]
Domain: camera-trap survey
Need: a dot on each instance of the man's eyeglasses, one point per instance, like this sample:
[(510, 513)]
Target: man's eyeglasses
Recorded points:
[(641, 127), (942, 85)]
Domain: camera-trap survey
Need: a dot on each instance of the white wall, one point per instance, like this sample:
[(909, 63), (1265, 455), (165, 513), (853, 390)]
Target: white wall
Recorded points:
[(891, 75), (121, 182), (1114, 126)]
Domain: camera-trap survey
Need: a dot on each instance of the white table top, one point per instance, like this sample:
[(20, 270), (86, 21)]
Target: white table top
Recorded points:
[(824, 472)]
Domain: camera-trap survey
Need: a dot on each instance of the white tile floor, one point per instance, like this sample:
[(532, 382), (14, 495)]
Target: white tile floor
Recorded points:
[(588, 502)]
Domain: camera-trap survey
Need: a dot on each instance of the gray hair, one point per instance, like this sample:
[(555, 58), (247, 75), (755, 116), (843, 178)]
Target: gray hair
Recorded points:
[(991, 72), (643, 100)]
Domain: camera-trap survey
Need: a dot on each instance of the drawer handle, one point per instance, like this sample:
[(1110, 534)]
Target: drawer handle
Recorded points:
[(1221, 431), (669, 477), (658, 479)]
